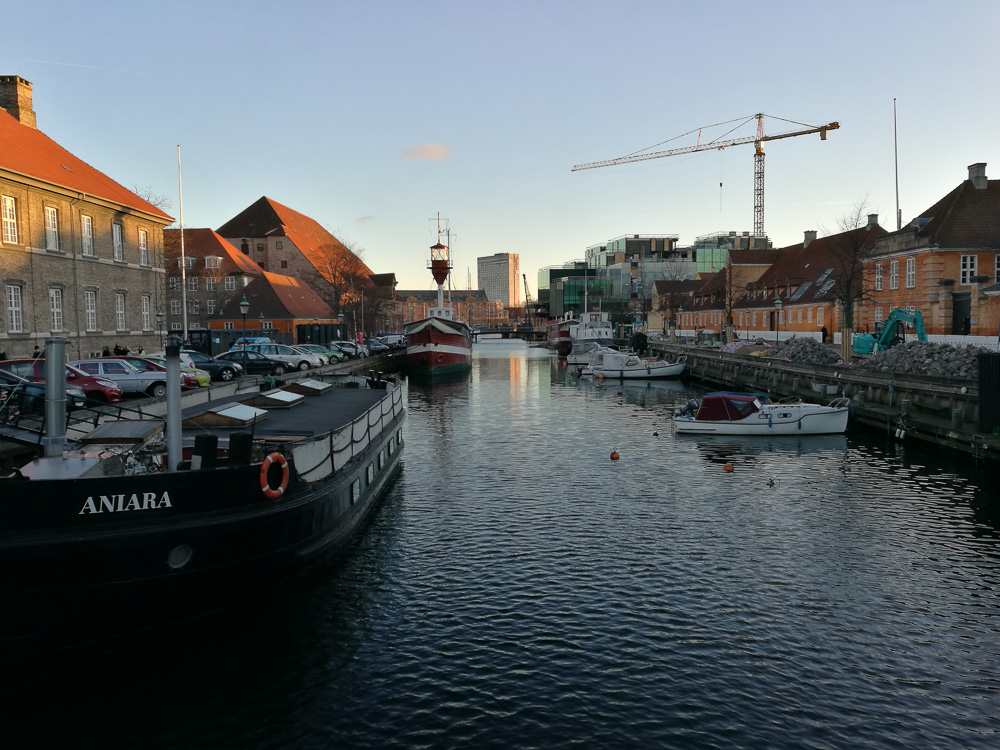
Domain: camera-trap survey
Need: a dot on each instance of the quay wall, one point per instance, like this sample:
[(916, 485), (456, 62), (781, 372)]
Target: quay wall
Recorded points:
[(938, 411)]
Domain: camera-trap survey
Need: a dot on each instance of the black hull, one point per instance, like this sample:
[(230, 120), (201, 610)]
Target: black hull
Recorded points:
[(71, 577)]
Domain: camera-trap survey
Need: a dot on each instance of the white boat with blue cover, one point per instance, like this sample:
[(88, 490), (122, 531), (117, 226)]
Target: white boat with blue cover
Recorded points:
[(728, 413)]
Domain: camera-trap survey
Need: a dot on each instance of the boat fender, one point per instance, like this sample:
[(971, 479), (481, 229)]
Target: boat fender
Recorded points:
[(270, 492), (769, 421)]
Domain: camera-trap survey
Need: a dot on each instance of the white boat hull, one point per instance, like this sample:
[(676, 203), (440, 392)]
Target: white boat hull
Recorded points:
[(773, 419)]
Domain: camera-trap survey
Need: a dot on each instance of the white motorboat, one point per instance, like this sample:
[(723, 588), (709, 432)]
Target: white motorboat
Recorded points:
[(623, 365), (591, 332), (727, 413)]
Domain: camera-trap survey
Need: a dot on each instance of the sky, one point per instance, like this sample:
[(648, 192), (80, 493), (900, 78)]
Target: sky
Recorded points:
[(374, 117)]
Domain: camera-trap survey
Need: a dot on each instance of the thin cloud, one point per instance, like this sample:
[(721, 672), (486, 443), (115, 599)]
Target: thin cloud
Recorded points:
[(427, 152), (365, 219)]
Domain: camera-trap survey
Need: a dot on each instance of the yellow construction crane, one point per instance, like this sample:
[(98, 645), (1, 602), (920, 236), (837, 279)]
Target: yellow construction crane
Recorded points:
[(527, 299), (758, 158)]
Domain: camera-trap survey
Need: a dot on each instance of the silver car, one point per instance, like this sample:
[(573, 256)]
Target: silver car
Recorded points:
[(131, 379), (296, 360)]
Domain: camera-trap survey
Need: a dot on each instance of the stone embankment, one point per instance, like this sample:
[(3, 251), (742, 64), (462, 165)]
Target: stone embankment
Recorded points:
[(914, 391)]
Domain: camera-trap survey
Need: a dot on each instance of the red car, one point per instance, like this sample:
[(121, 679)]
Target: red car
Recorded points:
[(98, 390)]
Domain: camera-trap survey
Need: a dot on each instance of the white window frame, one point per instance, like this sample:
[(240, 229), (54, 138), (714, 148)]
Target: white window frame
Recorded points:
[(878, 315), (51, 228), (213, 262), (911, 273), (819, 316), (192, 283), (267, 324), (194, 307), (55, 309), (15, 309), (174, 283), (175, 326), (799, 315), (229, 325), (120, 319), (90, 309), (210, 285), (210, 306), (147, 310), (117, 243), (894, 274), (8, 209), (878, 277), (809, 315), (143, 249), (230, 284), (87, 235), (969, 268), (175, 307)]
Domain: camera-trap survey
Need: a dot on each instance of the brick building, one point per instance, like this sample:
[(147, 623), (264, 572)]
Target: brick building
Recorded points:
[(80, 255), (215, 272)]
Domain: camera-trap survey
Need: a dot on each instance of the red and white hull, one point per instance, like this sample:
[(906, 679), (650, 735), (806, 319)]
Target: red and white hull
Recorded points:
[(438, 346), (558, 336)]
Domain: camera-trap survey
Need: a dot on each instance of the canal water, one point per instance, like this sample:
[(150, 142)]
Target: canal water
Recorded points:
[(519, 589)]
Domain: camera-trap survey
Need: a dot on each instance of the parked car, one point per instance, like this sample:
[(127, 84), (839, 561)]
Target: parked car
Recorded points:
[(131, 379), (97, 390), (331, 355), (217, 369), (394, 340), (191, 377), (243, 342), (19, 397), (353, 350), (254, 363), (294, 360), (377, 346)]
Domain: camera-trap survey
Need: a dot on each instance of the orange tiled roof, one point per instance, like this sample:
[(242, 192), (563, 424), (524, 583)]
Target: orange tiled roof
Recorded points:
[(201, 243), (279, 297), (30, 152)]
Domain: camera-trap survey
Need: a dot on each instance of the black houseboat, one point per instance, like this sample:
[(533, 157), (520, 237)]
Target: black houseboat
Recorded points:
[(114, 532)]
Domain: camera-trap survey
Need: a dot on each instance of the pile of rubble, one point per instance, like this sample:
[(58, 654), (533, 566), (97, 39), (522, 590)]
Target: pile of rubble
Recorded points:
[(807, 351), (924, 358)]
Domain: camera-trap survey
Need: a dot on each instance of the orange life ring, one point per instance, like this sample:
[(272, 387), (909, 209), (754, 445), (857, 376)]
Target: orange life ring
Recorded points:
[(270, 492)]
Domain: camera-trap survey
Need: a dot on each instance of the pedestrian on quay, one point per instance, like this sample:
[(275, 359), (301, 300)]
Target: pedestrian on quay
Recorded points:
[(106, 352), (3, 354), (37, 353)]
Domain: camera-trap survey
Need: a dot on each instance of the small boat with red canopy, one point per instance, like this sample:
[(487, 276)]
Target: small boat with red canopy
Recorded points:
[(729, 413)]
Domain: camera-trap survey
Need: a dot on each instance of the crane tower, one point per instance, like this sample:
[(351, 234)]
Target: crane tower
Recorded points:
[(758, 159)]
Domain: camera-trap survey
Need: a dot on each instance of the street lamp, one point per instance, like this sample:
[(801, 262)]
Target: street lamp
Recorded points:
[(777, 317), (680, 312), (340, 327), (159, 325), (244, 309)]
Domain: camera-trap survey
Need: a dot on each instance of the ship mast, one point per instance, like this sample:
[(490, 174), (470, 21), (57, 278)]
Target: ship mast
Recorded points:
[(440, 267)]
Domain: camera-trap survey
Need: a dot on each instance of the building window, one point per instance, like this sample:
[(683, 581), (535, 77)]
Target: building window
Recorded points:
[(209, 285), (210, 306), (194, 307), (878, 314), (147, 320), (175, 283), (175, 326), (193, 284), (878, 277), (143, 251), (175, 307), (15, 310), (911, 273), (819, 316), (260, 247), (230, 283), (894, 274), (90, 309), (799, 316), (968, 268), (188, 262), (229, 325), (87, 234), (51, 228), (284, 264), (120, 311), (277, 245), (754, 319), (266, 324), (116, 242), (56, 309), (213, 262), (9, 210), (809, 315)]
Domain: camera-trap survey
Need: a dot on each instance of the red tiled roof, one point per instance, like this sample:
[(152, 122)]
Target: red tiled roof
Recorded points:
[(267, 218), (201, 243), (278, 297), (30, 152), (966, 217)]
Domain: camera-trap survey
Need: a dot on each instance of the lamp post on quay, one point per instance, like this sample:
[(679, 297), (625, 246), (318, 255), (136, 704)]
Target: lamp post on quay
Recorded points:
[(777, 317), (244, 309)]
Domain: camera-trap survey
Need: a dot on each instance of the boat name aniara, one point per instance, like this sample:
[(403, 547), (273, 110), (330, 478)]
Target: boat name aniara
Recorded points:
[(118, 503)]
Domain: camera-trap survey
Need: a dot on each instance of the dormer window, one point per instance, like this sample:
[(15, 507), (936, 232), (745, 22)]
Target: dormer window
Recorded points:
[(213, 262)]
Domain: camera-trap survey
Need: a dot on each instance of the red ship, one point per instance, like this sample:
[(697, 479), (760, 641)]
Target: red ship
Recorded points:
[(439, 345)]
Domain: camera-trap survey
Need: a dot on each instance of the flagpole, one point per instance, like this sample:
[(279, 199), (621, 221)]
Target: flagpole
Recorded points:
[(180, 196)]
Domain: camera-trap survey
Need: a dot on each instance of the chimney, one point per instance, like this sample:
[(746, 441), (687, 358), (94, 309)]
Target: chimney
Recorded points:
[(872, 220), (977, 175), (15, 97), (810, 236)]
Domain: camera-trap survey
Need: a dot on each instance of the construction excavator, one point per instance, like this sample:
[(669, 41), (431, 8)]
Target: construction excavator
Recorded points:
[(892, 332)]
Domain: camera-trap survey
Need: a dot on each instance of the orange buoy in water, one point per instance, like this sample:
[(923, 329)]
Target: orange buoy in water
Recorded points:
[(728, 467), (614, 455)]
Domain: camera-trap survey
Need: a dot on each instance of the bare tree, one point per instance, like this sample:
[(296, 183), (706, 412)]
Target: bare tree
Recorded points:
[(734, 292), (849, 251), (162, 202)]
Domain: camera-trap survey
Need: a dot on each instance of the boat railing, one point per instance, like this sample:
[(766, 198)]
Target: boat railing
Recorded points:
[(840, 403), (317, 459)]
